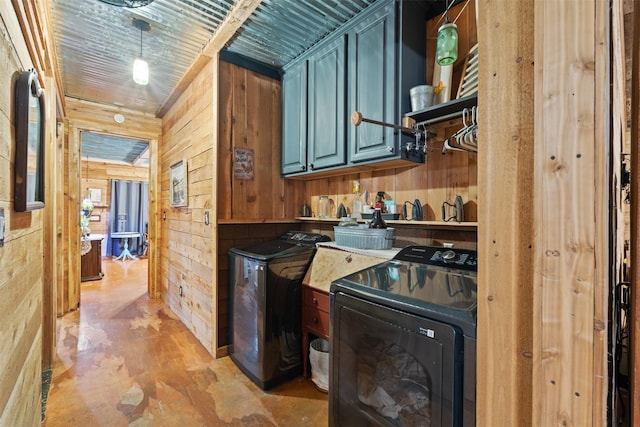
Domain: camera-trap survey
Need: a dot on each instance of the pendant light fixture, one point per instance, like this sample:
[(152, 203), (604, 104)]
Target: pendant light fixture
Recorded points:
[(140, 66), (447, 43)]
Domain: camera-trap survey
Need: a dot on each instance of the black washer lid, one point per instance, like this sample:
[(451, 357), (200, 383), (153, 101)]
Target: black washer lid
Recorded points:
[(290, 243)]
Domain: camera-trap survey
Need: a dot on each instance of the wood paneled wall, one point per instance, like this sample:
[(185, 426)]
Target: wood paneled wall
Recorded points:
[(439, 180), (543, 275), (249, 116), (21, 257), (187, 279), (572, 256)]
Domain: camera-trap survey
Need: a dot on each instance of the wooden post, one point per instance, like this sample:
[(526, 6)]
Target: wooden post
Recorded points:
[(50, 228), (505, 209), (72, 295), (154, 216), (634, 369)]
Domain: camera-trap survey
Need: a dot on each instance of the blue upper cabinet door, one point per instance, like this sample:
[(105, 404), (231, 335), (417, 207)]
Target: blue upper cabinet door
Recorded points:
[(372, 77), (294, 119), (327, 116)]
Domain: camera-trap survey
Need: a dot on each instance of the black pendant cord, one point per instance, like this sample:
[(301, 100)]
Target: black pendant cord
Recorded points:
[(446, 11)]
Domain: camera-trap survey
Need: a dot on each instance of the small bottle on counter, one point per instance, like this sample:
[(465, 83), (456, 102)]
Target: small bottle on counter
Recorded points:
[(380, 201), (377, 221), (356, 205)]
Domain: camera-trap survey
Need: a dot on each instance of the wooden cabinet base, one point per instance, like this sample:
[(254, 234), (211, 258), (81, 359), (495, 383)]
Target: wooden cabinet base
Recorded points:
[(91, 263), (315, 321)]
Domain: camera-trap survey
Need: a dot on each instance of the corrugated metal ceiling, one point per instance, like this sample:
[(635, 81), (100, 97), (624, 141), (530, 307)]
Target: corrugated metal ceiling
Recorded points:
[(115, 149), (96, 42), (280, 30)]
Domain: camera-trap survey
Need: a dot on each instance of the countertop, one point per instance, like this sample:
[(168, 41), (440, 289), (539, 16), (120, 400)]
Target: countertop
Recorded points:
[(332, 262), (378, 253), (94, 237)]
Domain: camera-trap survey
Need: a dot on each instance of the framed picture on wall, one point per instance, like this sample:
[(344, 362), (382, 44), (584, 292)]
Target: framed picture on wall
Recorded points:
[(178, 184), (95, 195)]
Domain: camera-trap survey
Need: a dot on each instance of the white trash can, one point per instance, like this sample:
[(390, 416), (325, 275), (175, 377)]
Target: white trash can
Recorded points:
[(319, 358)]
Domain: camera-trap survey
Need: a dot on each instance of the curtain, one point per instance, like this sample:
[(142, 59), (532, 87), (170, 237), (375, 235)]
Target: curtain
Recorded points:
[(129, 211)]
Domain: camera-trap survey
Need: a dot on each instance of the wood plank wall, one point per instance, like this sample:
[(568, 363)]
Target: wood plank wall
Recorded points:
[(570, 297), (21, 257), (249, 115), (439, 180), (543, 283), (186, 276)]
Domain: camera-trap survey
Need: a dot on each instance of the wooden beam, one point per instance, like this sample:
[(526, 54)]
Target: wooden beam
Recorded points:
[(51, 255), (634, 395), (505, 221), (73, 207), (153, 263), (235, 18)]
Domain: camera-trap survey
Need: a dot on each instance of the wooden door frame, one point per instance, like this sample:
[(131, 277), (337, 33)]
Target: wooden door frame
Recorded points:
[(93, 117), (634, 323)]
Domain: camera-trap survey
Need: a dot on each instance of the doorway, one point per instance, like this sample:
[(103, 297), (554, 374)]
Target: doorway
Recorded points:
[(115, 196)]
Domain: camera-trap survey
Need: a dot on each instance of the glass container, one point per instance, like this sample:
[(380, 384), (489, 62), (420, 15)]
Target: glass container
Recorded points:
[(323, 207), (447, 44)]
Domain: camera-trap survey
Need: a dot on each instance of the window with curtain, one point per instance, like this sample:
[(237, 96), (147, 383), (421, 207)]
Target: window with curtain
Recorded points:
[(129, 211)]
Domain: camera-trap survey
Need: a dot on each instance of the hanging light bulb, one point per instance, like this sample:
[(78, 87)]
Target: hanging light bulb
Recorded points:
[(140, 71), (140, 66), (447, 43)]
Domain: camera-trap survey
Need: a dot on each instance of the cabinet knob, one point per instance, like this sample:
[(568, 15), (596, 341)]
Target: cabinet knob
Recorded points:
[(389, 149), (315, 301), (315, 320), (311, 166), (303, 168), (348, 258)]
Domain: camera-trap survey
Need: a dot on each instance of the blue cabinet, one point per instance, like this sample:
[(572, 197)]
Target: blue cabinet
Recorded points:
[(367, 65), (327, 117), (372, 74), (314, 115), (294, 119), (387, 48)]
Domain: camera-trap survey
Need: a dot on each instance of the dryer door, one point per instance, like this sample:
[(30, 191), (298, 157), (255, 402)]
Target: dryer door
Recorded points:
[(390, 368)]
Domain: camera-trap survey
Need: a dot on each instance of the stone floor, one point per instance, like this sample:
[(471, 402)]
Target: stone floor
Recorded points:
[(126, 360)]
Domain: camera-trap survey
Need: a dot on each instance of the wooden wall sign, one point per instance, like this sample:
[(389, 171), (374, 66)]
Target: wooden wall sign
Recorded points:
[(243, 164)]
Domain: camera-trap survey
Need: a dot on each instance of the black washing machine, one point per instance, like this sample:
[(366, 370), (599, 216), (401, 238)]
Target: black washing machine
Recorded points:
[(403, 341), (266, 306)]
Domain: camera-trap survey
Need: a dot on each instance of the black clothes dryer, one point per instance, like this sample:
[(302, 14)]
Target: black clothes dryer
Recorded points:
[(266, 305), (403, 341)]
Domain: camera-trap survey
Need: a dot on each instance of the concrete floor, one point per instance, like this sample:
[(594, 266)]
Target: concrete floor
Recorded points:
[(126, 360)]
